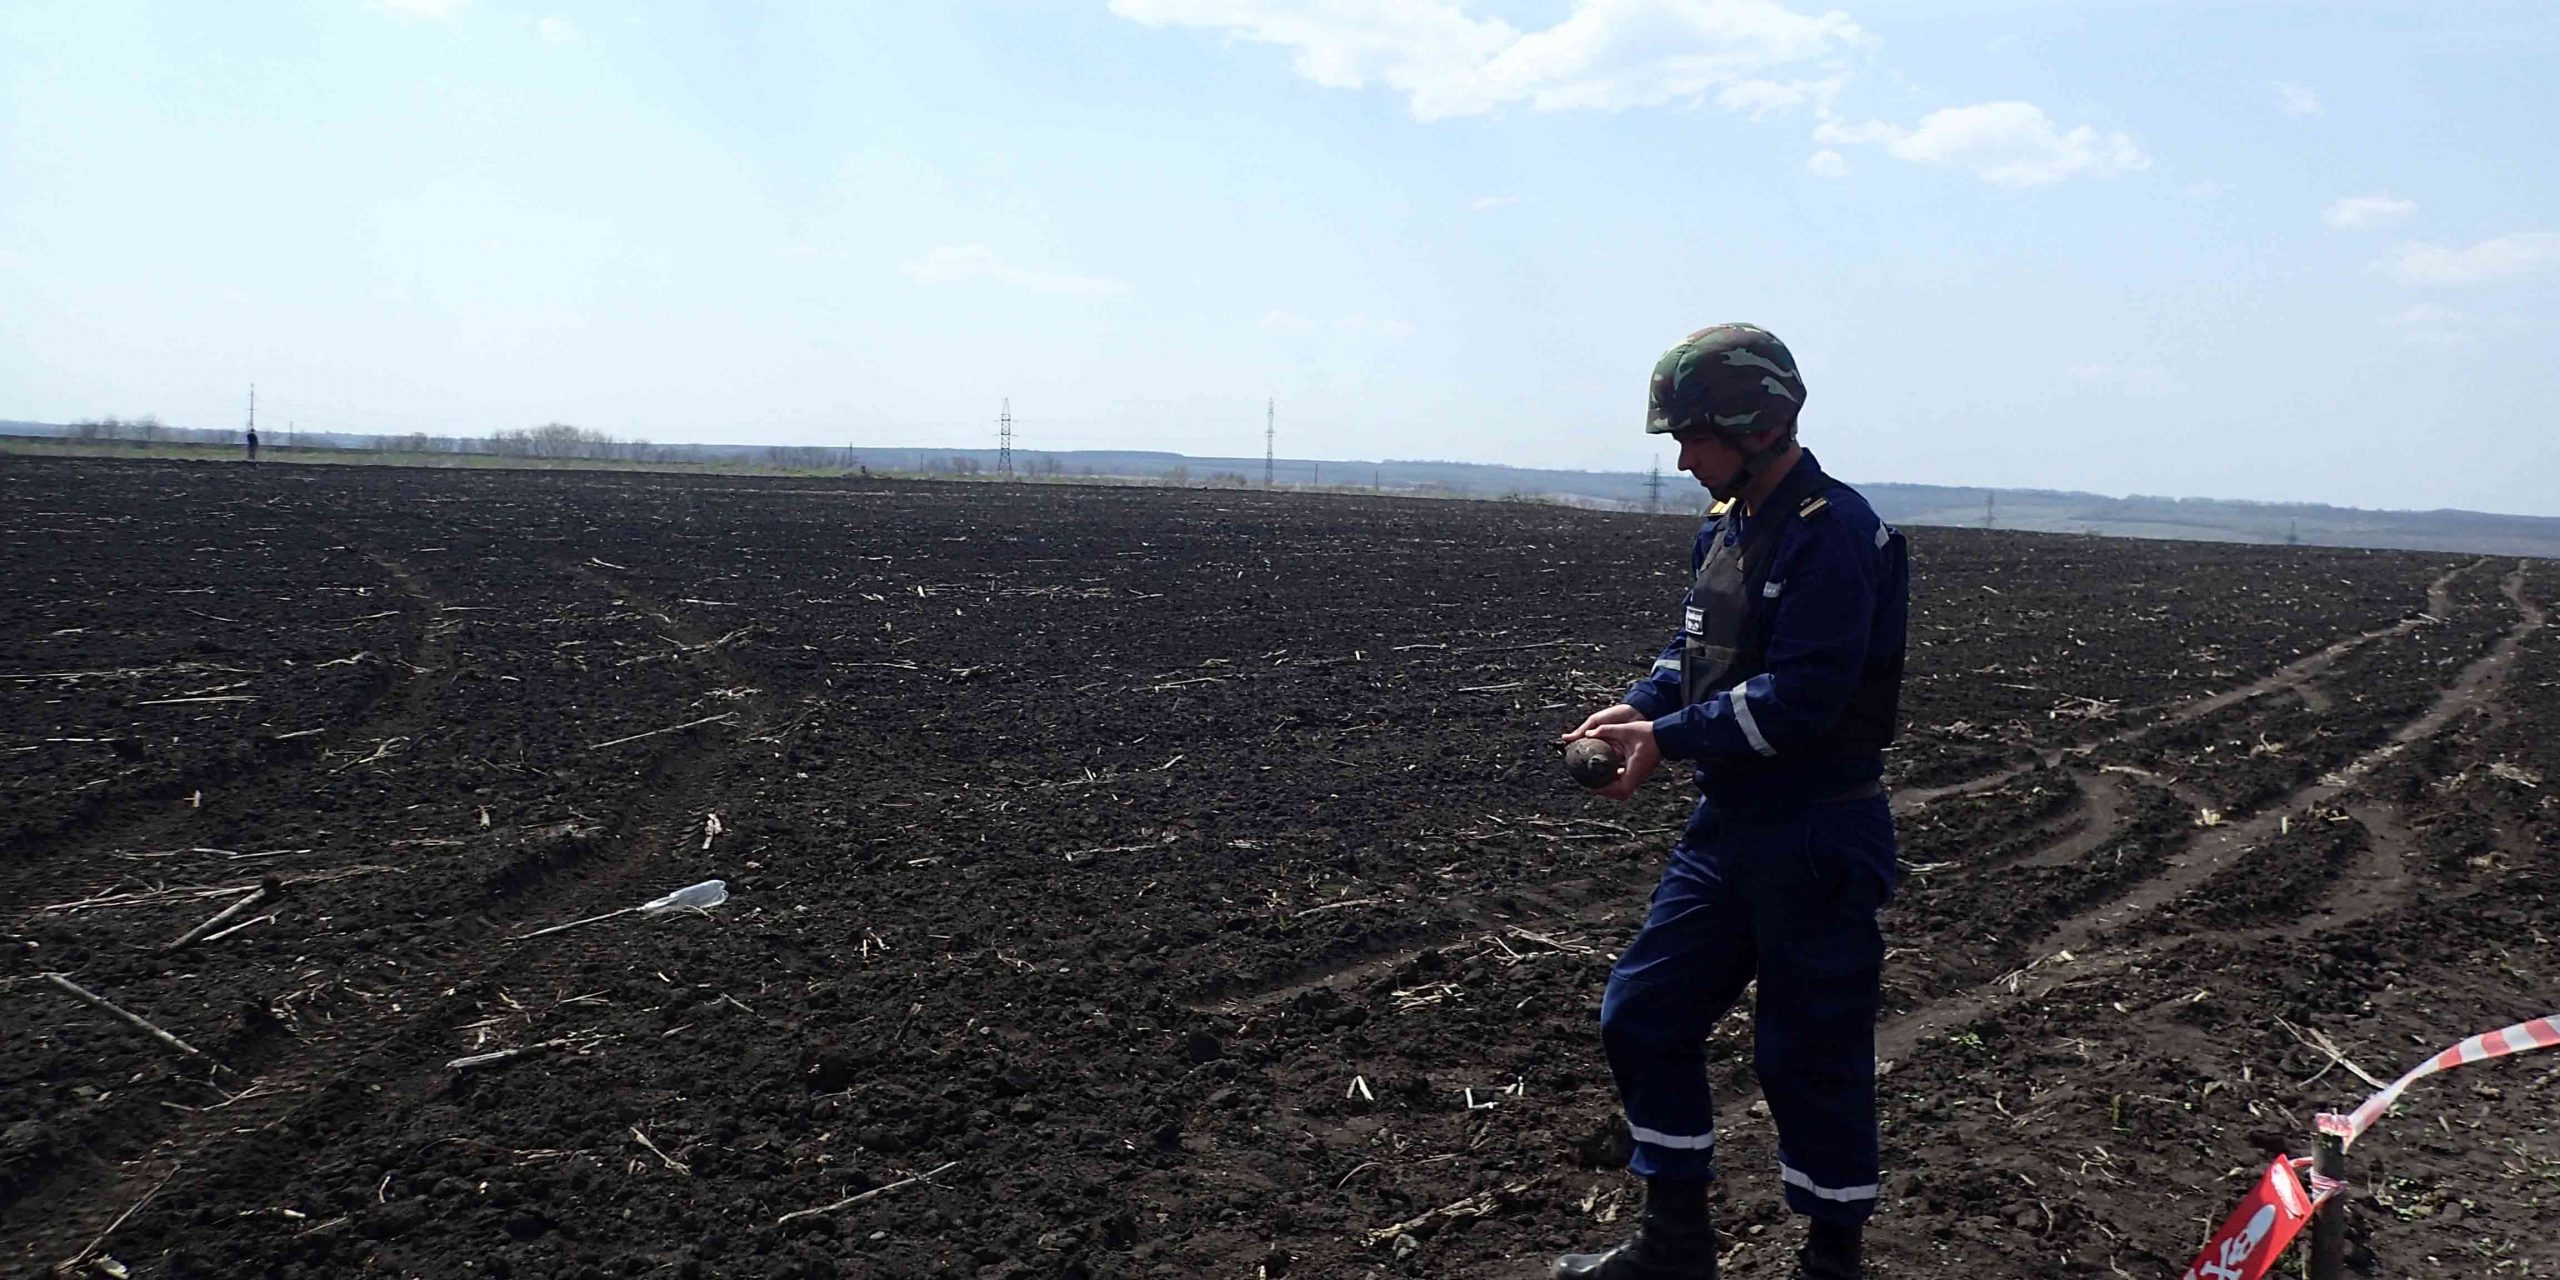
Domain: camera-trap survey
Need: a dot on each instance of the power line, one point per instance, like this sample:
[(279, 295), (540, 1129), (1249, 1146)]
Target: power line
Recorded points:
[(1653, 489), (1004, 447), (1270, 428)]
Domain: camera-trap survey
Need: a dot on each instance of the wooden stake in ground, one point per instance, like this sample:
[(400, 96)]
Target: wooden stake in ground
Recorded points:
[(2329, 1221), (136, 1021), (267, 890)]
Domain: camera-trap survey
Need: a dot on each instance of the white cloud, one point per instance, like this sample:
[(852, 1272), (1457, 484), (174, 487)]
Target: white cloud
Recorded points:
[(2009, 144), (2297, 100), (1278, 319), (422, 8), (1368, 324), (1482, 203), (557, 30), (1827, 163), (2364, 213), (953, 264), (2500, 258), (2431, 324), (1604, 54), (1759, 98)]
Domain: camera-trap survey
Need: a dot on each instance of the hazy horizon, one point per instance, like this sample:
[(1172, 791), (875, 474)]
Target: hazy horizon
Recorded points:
[(2220, 251)]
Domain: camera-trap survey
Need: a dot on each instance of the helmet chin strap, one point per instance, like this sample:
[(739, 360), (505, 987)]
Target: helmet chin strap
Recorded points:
[(1755, 462)]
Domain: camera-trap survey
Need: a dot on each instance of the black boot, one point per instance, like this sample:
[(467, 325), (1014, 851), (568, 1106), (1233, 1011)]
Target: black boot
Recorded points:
[(1830, 1252), (1676, 1241)]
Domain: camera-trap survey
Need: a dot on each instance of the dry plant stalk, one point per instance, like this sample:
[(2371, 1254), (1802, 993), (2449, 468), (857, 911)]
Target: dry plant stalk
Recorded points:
[(615, 742), (1474, 1206), (134, 1020), (72, 1263), (852, 1200), (267, 890), (672, 1163)]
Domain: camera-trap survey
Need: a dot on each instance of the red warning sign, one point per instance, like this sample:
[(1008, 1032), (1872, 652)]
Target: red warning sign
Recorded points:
[(2248, 1242)]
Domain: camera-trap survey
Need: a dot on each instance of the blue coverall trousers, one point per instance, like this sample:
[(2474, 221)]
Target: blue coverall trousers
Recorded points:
[(1791, 899)]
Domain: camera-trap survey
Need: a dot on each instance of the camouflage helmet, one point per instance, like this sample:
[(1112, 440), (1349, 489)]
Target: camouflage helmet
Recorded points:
[(1731, 379)]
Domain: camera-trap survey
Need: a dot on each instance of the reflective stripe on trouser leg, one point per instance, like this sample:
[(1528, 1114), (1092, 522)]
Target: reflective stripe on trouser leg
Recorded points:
[(1796, 1180), (1813, 1039), (1703, 1142), (1684, 969), (1821, 1091)]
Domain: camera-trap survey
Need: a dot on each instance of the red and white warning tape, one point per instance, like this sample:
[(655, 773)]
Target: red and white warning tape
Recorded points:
[(2523, 1037), (2247, 1244)]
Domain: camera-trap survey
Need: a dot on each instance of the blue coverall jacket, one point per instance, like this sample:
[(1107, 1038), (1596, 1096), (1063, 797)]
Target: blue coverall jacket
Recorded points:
[(1836, 597), (1783, 866)]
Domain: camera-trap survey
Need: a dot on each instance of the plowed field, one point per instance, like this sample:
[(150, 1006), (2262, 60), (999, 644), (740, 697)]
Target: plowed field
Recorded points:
[(1181, 883)]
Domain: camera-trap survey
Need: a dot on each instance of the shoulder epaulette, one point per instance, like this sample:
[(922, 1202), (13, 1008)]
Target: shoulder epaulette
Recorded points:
[(1811, 505), (1720, 508)]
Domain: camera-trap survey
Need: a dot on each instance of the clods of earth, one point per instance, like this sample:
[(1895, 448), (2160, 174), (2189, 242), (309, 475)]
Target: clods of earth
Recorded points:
[(1134, 882)]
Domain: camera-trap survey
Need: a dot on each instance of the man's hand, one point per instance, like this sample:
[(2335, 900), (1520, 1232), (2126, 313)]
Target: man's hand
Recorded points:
[(1633, 737), (1619, 714)]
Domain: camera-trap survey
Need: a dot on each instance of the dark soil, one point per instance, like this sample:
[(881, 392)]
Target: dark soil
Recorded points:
[(1191, 873)]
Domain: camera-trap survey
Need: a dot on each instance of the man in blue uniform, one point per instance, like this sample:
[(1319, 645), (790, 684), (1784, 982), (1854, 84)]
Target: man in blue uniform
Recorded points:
[(1782, 688)]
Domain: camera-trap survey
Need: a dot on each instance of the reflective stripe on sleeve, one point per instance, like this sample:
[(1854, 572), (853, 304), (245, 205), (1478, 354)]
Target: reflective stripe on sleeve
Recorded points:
[(1794, 1177), (1750, 727), (1679, 1141), (1661, 665)]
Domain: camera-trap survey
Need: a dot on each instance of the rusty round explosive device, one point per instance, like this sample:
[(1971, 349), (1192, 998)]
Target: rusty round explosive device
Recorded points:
[(1593, 762)]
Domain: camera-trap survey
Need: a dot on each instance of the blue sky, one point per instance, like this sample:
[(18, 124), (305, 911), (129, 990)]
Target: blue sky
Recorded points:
[(2278, 251)]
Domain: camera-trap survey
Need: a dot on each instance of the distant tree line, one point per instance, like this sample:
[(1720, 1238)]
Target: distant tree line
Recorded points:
[(559, 440), (146, 428)]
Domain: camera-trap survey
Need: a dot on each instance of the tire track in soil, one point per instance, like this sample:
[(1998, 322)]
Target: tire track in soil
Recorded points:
[(2089, 826), (2377, 881), (402, 1051), (2086, 829), (404, 1048), (2219, 847), (1586, 899), (2294, 677), (2175, 786), (2071, 837), (416, 696), (2071, 840), (85, 836)]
